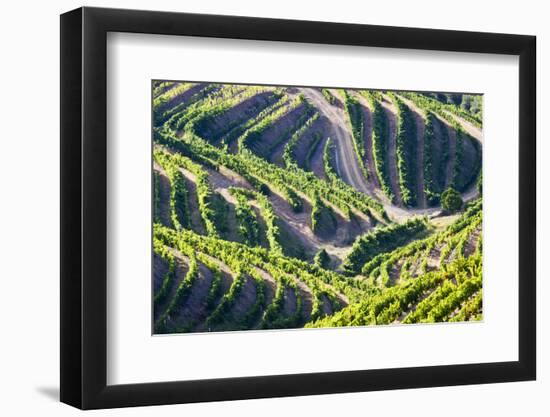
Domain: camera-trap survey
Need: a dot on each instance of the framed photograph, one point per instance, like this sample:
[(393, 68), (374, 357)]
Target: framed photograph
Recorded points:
[(257, 208)]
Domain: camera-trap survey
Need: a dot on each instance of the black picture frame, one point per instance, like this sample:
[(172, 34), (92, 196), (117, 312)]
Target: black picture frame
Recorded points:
[(84, 207)]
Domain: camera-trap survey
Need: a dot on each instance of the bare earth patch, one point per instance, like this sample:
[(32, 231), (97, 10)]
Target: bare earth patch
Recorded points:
[(420, 195), (245, 299), (196, 220), (160, 268), (181, 271), (193, 311), (452, 156), (164, 196), (391, 114)]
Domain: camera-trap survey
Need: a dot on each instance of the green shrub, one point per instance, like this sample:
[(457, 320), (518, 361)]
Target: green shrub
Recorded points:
[(321, 259), (451, 200), (328, 96)]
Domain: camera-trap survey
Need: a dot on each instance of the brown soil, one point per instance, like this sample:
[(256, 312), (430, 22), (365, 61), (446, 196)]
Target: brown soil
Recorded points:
[(233, 144), (420, 195), (181, 271), (415, 269), (164, 196), (238, 114), (180, 98), (275, 137), (468, 171), (437, 154), (289, 305), (197, 224), (452, 155), (395, 271), (245, 300), (305, 142), (227, 280), (471, 243), (347, 164), (316, 162), (160, 268), (367, 117), (472, 130), (262, 227), (307, 300), (223, 179), (270, 285), (433, 258), (326, 306), (193, 311), (299, 224), (391, 114), (276, 155), (232, 232)]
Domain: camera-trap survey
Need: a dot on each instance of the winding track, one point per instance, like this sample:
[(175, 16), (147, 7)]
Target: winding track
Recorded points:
[(348, 165), (472, 130), (347, 159)]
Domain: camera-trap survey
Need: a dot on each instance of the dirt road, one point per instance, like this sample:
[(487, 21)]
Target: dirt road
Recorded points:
[(348, 164), (346, 159), (472, 130)]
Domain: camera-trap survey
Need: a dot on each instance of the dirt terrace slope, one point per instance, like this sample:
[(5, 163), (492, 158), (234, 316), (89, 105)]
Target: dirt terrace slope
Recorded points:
[(346, 160)]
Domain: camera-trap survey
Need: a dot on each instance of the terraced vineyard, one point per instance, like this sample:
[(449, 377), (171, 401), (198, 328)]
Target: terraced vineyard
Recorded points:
[(287, 207)]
